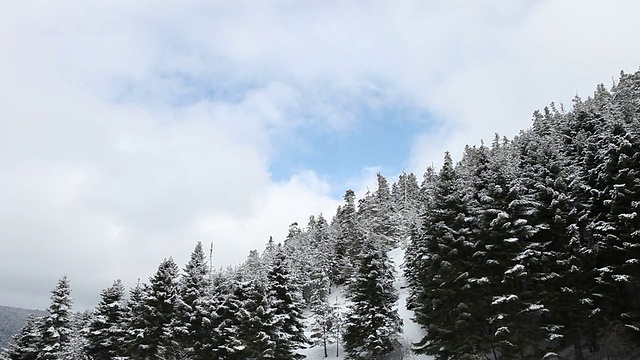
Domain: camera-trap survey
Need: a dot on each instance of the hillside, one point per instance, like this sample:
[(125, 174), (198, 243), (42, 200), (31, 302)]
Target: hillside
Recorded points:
[(411, 331), (11, 320)]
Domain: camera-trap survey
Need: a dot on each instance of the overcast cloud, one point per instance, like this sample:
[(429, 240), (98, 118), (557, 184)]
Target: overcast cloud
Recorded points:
[(133, 129)]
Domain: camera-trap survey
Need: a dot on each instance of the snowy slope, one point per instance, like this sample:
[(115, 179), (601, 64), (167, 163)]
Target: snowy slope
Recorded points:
[(411, 330)]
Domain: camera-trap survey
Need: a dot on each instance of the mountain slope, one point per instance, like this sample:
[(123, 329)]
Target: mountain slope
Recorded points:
[(411, 331), (11, 320)]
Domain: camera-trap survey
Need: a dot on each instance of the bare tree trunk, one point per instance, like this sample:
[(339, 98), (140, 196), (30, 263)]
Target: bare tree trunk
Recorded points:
[(325, 347)]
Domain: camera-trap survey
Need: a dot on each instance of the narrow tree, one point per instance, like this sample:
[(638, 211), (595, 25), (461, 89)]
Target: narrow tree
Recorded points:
[(107, 329), (286, 305), (57, 327), (159, 303), (190, 308), (372, 323)]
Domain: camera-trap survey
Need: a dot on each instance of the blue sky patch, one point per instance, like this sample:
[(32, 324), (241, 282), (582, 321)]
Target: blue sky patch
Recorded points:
[(381, 137)]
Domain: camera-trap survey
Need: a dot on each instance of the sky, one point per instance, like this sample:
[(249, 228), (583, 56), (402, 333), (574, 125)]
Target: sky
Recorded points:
[(131, 130)]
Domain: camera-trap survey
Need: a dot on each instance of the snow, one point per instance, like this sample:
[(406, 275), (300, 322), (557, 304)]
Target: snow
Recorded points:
[(411, 331), (502, 299)]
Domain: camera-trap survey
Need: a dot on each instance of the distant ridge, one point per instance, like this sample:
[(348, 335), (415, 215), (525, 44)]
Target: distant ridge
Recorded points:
[(11, 321)]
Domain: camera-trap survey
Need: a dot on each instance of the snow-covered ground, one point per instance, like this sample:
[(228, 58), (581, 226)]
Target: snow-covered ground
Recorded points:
[(411, 330)]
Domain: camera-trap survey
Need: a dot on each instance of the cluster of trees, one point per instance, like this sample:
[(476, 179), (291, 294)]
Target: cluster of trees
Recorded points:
[(13, 319), (521, 250), (253, 310), (188, 316), (530, 246)]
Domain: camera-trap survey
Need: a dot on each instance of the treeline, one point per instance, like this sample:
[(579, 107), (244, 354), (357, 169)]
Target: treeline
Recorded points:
[(253, 310), (531, 246)]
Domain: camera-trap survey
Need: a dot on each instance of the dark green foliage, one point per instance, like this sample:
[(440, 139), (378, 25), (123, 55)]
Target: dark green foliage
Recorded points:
[(189, 324), (286, 306), (56, 328), (107, 329), (157, 311), (536, 238), (256, 327), (27, 341), (372, 325), (348, 240)]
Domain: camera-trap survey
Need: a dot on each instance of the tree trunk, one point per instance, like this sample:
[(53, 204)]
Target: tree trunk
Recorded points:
[(325, 347)]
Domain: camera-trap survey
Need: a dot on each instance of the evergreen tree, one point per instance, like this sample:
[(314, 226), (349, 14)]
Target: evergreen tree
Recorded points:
[(256, 327), (57, 329), (158, 310), (443, 256), (322, 325), (225, 307), (27, 342), (348, 242), (372, 323), (135, 324), (286, 307), (75, 350), (407, 205), (188, 324), (107, 329)]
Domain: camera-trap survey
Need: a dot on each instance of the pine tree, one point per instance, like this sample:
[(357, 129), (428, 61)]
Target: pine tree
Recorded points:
[(372, 323), (286, 305), (406, 199), (348, 242), (75, 350), (107, 329), (442, 259), (159, 308), (322, 325), (135, 324), (188, 324), (27, 342), (256, 329), (56, 329), (225, 307)]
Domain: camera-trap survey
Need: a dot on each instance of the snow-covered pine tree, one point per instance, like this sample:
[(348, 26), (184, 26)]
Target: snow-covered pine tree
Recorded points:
[(75, 350), (435, 278), (107, 329), (322, 323), (256, 327), (286, 305), (347, 241), (135, 324), (416, 246), (159, 308), (405, 195), (320, 258), (252, 268), (506, 231), (225, 307), (57, 327), (376, 213), (550, 258), (191, 313), (372, 323), (27, 342)]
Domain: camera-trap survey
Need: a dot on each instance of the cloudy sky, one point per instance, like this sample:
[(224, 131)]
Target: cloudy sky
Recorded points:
[(130, 130)]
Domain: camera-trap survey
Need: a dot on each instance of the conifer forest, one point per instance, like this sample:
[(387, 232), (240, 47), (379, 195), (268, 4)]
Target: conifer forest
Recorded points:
[(525, 248)]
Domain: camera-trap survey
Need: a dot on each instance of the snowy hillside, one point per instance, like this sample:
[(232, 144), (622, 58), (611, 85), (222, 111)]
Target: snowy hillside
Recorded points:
[(411, 330)]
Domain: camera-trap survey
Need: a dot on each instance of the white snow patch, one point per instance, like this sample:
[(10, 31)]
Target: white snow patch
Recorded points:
[(412, 332)]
